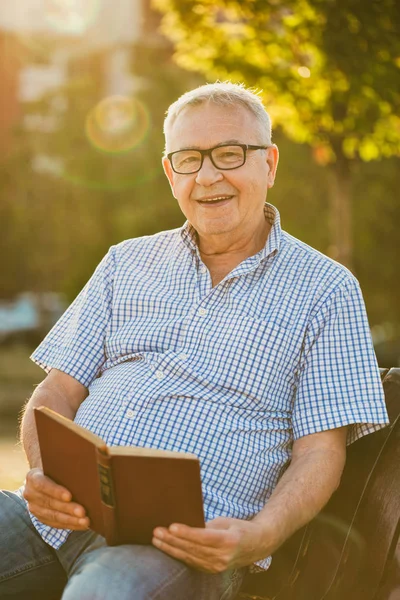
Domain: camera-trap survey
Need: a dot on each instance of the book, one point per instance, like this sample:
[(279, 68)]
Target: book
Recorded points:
[(127, 491)]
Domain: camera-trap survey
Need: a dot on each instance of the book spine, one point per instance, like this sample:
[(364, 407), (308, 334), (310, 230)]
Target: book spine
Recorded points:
[(107, 496)]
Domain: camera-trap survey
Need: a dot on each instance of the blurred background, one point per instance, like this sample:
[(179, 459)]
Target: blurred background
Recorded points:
[(84, 88)]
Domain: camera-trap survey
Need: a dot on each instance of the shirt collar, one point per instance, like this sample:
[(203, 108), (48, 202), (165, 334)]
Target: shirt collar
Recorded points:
[(273, 242), (189, 236)]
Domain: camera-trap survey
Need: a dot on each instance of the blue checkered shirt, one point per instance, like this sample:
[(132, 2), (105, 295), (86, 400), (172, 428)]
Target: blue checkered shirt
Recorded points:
[(278, 350)]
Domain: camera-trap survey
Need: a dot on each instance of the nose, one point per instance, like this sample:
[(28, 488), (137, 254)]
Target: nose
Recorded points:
[(208, 174)]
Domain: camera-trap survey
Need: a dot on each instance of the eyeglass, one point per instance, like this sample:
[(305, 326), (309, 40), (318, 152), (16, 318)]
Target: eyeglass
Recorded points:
[(225, 157)]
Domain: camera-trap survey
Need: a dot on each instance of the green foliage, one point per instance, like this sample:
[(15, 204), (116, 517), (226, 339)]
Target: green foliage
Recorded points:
[(329, 69), (330, 75)]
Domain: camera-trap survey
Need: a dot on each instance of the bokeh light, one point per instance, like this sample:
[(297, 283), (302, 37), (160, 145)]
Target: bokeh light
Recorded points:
[(71, 16), (117, 124), (304, 72)]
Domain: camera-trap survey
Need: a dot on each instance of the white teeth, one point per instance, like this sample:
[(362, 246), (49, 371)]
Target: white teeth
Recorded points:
[(216, 199)]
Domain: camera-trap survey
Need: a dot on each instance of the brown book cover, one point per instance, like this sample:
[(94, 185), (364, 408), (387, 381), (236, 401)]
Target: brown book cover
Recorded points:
[(127, 491)]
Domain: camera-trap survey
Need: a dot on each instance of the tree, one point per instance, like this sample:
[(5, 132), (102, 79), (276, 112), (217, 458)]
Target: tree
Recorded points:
[(329, 71)]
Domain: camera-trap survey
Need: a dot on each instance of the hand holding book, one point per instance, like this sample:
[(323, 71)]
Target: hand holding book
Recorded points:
[(52, 504), (126, 491)]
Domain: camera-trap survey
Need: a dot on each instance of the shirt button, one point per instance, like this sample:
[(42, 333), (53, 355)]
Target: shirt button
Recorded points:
[(160, 374), (183, 356), (202, 312), (130, 414), (203, 269)]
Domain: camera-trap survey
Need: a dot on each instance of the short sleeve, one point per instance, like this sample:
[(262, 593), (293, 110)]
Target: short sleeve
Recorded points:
[(339, 381), (75, 345)]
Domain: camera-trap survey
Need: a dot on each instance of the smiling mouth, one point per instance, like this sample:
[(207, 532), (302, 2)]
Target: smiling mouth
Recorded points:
[(213, 201)]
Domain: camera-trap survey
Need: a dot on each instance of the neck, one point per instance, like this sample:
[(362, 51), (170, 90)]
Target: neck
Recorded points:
[(228, 245)]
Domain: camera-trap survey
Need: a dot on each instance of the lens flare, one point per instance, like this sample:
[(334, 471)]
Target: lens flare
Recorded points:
[(117, 124), (71, 16)]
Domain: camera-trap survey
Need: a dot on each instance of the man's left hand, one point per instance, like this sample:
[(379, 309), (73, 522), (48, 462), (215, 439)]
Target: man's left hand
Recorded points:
[(224, 544)]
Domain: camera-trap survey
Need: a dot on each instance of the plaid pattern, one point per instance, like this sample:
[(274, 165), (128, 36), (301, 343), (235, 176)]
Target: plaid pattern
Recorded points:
[(278, 350)]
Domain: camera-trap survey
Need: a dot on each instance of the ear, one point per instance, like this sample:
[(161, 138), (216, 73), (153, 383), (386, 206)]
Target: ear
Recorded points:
[(169, 173), (272, 160)]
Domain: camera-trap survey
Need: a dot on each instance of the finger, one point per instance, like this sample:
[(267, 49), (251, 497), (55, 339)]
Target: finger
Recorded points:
[(37, 490), (38, 481), (70, 508), (60, 526), (57, 525), (58, 519), (199, 535), (192, 548), (192, 561)]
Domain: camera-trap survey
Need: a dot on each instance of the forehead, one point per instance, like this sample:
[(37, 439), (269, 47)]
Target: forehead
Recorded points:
[(209, 124)]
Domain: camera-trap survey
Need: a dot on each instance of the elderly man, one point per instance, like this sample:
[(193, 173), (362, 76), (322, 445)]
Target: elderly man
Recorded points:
[(227, 338)]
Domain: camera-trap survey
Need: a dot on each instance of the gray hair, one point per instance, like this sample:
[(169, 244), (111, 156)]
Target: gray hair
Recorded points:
[(224, 94)]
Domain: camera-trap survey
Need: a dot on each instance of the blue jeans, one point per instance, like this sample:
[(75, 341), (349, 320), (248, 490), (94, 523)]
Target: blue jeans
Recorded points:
[(84, 568)]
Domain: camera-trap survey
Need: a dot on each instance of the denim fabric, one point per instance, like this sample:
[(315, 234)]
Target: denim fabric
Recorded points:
[(29, 568), (136, 572)]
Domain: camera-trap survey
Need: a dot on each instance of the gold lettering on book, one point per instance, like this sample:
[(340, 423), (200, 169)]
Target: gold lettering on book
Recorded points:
[(106, 491)]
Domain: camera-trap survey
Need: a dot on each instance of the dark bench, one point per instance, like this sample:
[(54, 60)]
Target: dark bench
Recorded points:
[(351, 550)]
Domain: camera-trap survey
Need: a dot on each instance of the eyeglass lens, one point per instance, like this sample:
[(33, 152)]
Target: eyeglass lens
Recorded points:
[(224, 157)]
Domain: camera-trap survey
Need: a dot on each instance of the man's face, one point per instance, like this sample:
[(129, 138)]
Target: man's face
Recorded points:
[(243, 190)]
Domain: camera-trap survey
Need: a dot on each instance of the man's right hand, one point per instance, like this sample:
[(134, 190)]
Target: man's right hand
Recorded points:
[(51, 503)]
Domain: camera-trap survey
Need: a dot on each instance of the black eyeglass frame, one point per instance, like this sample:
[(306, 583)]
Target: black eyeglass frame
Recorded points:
[(208, 152)]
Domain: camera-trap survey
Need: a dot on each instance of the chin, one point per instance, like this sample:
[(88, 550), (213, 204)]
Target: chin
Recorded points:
[(216, 230), (216, 227)]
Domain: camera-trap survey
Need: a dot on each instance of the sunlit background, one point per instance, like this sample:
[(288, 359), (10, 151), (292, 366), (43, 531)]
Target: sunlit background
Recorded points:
[(84, 89)]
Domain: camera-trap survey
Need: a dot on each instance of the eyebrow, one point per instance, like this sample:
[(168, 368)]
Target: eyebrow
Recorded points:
[(224, 143)]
